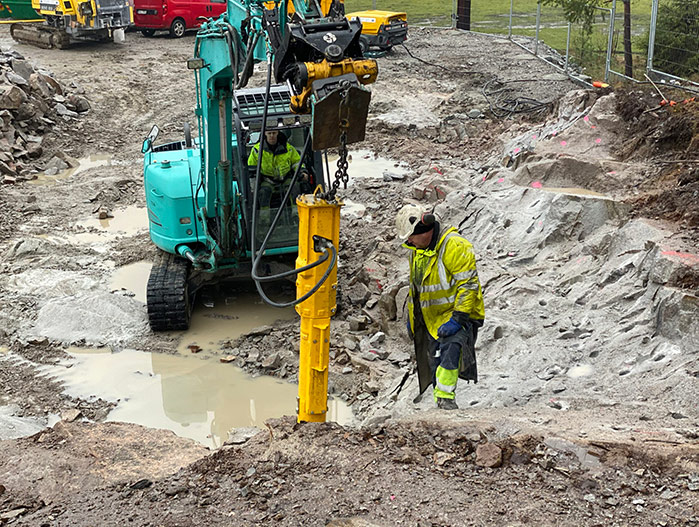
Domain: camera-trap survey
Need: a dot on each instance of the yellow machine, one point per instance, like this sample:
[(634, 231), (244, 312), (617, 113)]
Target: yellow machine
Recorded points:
[(319, 227), (381, 29), (66, 20)]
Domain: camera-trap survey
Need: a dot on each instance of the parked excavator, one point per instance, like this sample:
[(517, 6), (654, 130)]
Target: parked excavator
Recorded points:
[(65, 21), (203, 198)]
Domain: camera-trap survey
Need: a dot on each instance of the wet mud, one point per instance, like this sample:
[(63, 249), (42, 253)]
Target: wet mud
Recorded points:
[(586, 247)]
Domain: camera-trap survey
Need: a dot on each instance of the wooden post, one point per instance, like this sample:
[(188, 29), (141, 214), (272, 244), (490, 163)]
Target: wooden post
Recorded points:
[(463, 14)]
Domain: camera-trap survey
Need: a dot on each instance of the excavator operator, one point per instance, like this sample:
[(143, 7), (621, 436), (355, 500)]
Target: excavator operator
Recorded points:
[(279, 162)]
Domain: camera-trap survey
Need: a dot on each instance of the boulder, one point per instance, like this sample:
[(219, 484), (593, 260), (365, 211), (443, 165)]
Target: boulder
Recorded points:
[(488, 455), (22, 68), (11, 97), (39, 85), (15, 79)]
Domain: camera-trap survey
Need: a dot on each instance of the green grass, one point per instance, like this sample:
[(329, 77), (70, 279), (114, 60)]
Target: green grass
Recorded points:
[(492, 16)]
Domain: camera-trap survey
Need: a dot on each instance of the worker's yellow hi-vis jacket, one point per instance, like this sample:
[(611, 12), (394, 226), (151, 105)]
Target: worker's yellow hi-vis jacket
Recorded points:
[(449, 281), (276, 163)]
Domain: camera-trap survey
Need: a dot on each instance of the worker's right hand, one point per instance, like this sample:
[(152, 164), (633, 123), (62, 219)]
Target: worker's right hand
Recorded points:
[(409, 328)]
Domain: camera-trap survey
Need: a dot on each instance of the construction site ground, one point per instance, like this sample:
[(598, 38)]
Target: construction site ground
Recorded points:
[(584, 215)]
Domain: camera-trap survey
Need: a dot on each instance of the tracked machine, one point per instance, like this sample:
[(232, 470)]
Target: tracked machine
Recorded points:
[(203, 195), (65, 21)]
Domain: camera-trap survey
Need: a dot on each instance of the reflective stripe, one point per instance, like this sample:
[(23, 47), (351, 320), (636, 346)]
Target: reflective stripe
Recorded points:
[(431, 288), (441, 268), (445, 388), (470, 287), (438, 301), (466, 275)]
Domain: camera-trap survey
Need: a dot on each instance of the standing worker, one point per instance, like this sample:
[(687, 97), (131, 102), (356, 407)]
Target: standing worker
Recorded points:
[(445, 303), (279, 162)]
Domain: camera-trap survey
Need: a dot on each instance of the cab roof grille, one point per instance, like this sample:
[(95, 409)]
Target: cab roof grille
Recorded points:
[(252, 103)]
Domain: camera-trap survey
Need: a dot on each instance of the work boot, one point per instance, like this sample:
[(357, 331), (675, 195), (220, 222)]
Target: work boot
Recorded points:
[(447, 404)]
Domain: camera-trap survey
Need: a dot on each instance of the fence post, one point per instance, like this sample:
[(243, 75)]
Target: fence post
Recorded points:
[(538, 25), (509, 31), (610, 43), (567, 47), (651, 36)]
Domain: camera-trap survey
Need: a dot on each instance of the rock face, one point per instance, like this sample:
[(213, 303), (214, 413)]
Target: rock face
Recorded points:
[(31, 102)]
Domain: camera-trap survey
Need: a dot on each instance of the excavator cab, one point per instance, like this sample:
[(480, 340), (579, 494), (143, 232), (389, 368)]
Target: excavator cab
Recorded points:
[(293, 130)]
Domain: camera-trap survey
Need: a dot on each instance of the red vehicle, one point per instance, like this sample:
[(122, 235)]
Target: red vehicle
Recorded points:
[(175, 16)]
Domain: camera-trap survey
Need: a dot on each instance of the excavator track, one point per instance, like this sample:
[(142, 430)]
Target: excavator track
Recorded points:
[(39, 35), (167, 294)]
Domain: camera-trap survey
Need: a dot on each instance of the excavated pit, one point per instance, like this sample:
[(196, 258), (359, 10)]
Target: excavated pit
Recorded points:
[(587, 363)]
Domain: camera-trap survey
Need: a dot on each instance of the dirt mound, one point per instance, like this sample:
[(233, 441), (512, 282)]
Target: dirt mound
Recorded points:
[(412, 471), (31, 103), (667, 137)]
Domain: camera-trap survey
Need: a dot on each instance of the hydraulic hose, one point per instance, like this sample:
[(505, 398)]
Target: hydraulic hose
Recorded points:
[(231, 35), (257, 255), (247, 67)]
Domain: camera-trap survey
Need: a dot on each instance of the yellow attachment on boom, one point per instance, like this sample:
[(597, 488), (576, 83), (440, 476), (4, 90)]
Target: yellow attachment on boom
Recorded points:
[(366, 71), (317, 219)]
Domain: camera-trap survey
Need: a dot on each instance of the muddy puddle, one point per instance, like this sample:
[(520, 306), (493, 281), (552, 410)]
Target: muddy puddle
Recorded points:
[(223, 313), (83, 164), (133, 278), (190, 392), (194, 396), (128, 220), (366, 164)]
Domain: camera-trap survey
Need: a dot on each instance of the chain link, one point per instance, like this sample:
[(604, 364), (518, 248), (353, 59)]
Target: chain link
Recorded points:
[(341, 175)]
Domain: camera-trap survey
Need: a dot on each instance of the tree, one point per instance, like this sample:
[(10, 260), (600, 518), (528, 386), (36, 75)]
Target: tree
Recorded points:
[(583, 12), (578, 11), (677, 38)]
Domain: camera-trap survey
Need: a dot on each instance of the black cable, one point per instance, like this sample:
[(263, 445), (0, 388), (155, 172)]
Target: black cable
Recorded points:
[(257, 256), (247, 66), (502, 103), (439, 65)]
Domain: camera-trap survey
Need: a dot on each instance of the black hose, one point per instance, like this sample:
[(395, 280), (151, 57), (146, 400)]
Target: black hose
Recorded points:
[(247, 67), (257, 256), (445, 68), (233, 49), (503, 104), (285, 199)]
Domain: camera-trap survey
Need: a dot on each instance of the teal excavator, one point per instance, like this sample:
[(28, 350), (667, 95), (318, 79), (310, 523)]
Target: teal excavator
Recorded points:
[(202, 196)]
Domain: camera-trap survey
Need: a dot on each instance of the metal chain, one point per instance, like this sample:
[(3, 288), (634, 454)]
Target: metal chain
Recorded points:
[(341, 175)]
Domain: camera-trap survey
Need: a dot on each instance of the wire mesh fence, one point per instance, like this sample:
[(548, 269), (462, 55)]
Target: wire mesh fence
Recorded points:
[(626, 38), (420, 12), (545, 31), (673, 47), (629, 43)]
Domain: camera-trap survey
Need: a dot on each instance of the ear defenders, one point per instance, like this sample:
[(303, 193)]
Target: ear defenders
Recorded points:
[(427, 219)]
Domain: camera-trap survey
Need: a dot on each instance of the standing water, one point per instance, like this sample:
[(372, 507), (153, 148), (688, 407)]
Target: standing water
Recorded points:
[(194, 395)]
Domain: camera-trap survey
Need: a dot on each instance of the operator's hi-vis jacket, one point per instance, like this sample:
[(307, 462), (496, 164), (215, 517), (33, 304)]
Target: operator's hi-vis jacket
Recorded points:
[(278, 161), (449, 281)]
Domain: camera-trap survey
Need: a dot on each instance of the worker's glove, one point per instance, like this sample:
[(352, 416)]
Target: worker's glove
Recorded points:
[(409, 328), (449, 328)]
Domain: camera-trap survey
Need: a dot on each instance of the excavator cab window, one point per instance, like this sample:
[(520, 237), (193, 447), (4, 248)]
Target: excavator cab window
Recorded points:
[(277, 174)]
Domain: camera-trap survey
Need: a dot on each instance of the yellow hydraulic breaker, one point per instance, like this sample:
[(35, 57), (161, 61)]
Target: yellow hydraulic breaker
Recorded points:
[(319, 228)]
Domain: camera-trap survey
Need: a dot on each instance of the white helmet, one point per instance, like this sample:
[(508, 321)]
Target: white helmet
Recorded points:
[(409, 216)]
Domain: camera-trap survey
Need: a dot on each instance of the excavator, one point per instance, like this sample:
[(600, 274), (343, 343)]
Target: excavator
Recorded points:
[(203, 195), (65, 21)]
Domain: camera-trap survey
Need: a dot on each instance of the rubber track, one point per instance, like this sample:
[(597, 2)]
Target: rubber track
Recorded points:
[(167, 294)]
